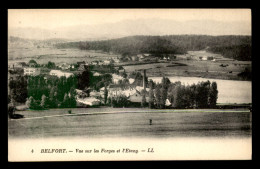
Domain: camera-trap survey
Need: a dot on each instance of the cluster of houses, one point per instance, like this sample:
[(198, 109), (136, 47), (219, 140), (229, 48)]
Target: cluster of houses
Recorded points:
[(131, 91)]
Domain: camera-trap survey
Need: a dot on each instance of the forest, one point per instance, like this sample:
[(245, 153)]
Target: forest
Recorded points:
[(236, 47)]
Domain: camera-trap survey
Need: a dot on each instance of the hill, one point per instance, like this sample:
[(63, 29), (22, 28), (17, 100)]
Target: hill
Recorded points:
[(231, 46)]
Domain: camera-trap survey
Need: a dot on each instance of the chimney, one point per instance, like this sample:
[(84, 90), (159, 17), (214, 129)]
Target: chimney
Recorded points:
[(144, 84)]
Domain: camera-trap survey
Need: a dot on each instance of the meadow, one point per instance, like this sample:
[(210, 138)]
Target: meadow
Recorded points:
[(43, 55), (133, 123)]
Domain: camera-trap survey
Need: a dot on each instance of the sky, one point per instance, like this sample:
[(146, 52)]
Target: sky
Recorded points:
[(55, 18)]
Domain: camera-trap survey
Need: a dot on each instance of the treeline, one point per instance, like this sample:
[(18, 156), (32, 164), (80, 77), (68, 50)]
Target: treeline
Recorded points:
[(172, 44), (127, 46), (51, 92), (238, 52), (200, 95), (42, 92)]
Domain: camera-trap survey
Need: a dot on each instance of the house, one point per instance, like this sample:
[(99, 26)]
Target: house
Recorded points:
[(146, 54), (116, 90), (210, 57), (131, 80), (107, 62), (81, 63), (96, 74), (140, 56), (31, 71), (94, 94), (140, 88), (137, 97), (64, 66), (167, 102), (203, 58), (90, 101), (121, 70), (80, 94), (101, 63), (116, 60), (116, 78), (134, 58), (82, 67), (60, 73), (94, 63)]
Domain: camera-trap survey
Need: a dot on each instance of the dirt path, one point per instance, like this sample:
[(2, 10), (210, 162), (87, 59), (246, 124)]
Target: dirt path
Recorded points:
[(139, 111)]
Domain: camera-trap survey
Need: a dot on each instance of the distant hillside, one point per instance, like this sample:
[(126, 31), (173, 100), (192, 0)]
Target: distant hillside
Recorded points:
[(237, 47), (22, 42), (124, 28)]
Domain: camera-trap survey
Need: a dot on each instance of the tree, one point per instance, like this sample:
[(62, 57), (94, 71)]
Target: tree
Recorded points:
[(143, 94), (33, 63), (85, 79), (163, 97), (165, 82), (51, 65), (72, 97), (105, 95), (202, 94), (213, 95), (151, 97), (157, 96), (29, 101), (18, 89), (33, 104), (151, 84), (65, 102), (177, 97), (11, 109), (43, 101)]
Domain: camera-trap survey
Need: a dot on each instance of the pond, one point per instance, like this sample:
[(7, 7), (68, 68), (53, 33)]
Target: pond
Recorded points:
[(230, 91)]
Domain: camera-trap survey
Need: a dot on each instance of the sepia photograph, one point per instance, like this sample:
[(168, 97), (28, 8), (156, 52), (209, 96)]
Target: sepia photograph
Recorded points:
[(129, 84)]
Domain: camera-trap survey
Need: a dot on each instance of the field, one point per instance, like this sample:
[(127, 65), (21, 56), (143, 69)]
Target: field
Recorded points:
[(193, 68), (43, 55), (126, 122), (179, 67)]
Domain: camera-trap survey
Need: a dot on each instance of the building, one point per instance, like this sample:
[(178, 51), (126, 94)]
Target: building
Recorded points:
[(96, 74), (30, 71), (64, 66), (134, 58), (89, 101), (107, 62), (94, 63), (80, 94), (167, 102), (146, 54), (210, 58), (116, 78), (94, 94), (137, 97), (131, 80), (82, 67), (60, 73), (81, 63), (116, 60)]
